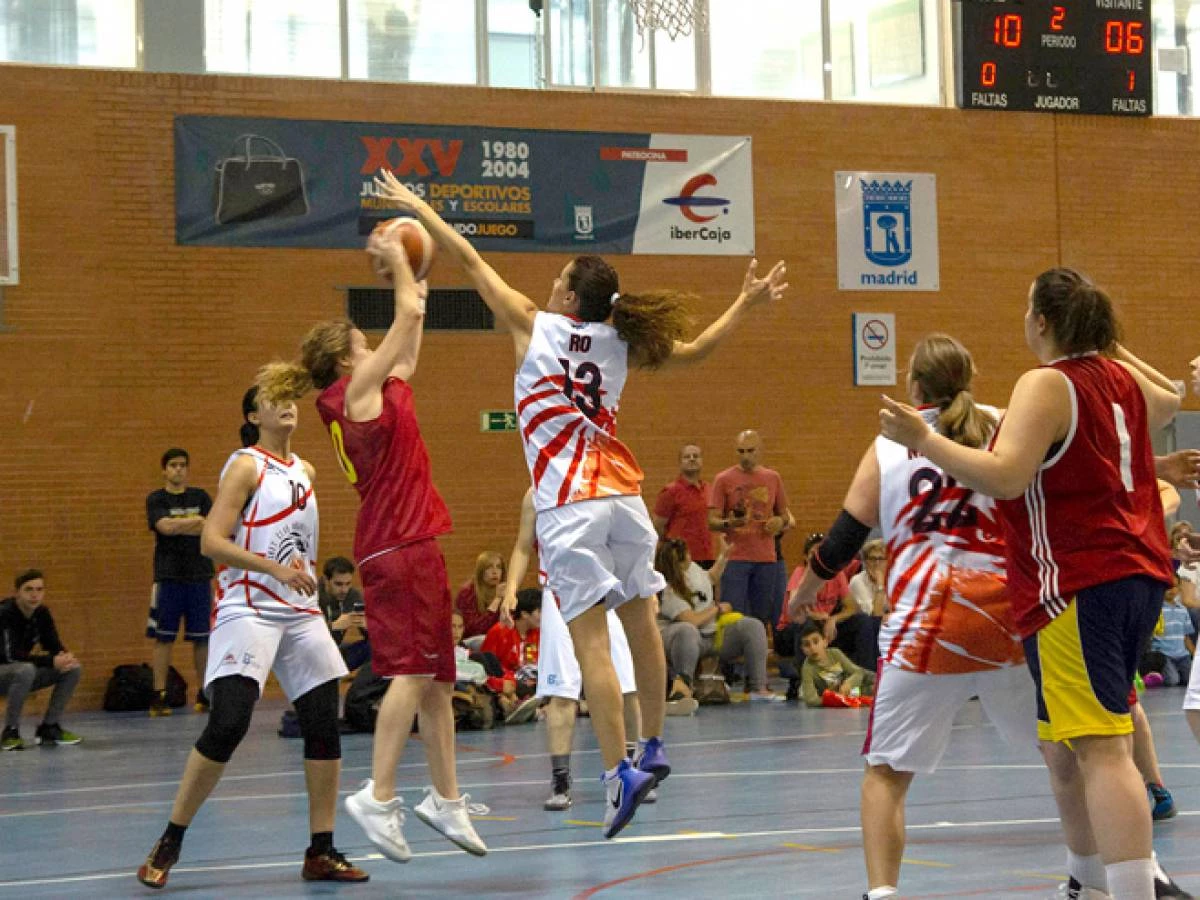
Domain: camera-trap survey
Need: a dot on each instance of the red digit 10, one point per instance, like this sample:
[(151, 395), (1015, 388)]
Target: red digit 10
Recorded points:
[(1058, 15), (987, 74), (1006, 30), (1124, 37)]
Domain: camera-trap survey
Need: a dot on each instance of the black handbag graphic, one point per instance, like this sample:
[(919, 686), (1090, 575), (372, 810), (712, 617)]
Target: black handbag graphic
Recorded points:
[(250, 187)]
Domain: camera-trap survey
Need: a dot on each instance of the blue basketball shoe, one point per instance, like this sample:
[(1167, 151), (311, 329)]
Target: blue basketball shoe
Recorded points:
[(624, 791)]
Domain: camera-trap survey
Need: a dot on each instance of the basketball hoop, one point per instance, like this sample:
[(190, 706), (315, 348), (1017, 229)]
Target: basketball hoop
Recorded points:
[(675, 17)]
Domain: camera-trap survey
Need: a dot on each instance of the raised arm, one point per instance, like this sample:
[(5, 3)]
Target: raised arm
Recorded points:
[(237, 486), (755, 290), (518, 560), (513, 309), (1039, 413), (1162, 400)]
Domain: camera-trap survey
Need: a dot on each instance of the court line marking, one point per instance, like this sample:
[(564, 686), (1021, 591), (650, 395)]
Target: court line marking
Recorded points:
[(566, 845)]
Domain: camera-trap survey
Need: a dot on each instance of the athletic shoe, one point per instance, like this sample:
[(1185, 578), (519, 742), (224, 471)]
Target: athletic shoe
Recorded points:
[(684, 706), (153, 872), (202, 705), (1153, 679), (560, 795), (793, 690), (653, 758), (1164, 887), (383, 823), (450, 817), (651, 797), (159, 708), (10, 739), (330, 866), (523, 712), (1073, 890), (625, 791), (54, 734), (1162, 804)]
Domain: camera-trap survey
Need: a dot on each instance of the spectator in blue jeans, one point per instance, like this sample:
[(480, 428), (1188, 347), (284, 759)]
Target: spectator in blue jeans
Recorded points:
[(749, 504), (25, 624), (1168, 662)]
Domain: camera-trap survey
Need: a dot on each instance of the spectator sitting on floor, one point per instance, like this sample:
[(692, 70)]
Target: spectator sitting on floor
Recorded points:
[(32, 658), (693, 624), (342, 604), (479, 599), (516, 648), (828, 669), (1168, 662), (846, 627)]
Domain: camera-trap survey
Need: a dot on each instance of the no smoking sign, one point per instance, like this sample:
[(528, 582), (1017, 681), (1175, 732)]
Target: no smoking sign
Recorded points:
[(874, 348)]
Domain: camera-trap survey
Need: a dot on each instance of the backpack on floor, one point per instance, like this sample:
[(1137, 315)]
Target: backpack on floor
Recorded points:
[(361, 707), (131, 688), (474, 709)]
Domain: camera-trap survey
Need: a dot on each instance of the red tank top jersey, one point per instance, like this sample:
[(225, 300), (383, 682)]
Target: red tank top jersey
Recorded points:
[(386, 461), (1092, 513)]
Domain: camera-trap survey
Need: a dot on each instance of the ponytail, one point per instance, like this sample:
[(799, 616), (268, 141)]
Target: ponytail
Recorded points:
[(964, 422), (650, 324), (249, 434), (668, 559)]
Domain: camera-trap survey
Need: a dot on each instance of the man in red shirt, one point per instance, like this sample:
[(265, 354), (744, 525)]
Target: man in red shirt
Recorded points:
[(681, 510), (516, 648)]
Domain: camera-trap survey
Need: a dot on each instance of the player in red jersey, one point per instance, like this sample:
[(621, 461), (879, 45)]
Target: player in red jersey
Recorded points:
[(595, 534), (367, 405), (1087, 557)]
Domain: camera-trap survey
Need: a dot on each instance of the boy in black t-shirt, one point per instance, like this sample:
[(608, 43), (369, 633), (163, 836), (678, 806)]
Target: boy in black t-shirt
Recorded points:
[(182, 575)]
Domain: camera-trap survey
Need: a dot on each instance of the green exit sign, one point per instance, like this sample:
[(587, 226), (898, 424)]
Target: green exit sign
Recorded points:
[(498, 420)]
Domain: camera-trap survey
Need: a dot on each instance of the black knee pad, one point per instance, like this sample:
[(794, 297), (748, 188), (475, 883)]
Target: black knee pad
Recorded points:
[(232, 698), (317, 711)]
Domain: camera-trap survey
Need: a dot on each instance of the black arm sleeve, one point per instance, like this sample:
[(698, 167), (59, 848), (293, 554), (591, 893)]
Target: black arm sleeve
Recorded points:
[(842, 542)]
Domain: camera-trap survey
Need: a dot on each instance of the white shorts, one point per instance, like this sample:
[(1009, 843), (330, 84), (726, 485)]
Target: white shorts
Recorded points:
[(1192, 699), (598, 551), (913, 713), (300, 652), (558, 669)]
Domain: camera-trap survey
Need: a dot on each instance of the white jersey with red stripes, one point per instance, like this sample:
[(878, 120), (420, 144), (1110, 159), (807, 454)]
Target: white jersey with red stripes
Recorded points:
[(278, 522), (946, 569), (568, 389)]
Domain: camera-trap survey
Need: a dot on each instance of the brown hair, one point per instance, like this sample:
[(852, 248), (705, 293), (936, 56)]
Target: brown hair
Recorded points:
[(668, 559), (485, 594), (325, 345), (1080, 313), (649, 323), (942, 370)]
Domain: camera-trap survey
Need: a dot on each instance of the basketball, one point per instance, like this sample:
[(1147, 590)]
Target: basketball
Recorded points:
[(415, 239)]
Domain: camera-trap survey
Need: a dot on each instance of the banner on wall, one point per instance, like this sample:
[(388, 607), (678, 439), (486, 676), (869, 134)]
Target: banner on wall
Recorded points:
[(887, 231), (243, 182)]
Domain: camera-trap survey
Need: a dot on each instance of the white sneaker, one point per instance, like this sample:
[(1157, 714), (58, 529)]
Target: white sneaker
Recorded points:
[(382, 822), (1073, 890), (451, 818)]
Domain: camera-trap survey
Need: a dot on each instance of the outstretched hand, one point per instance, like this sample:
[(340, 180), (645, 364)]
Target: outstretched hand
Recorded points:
[(1181, 468), (390, 188), (902, 423), (756, 289)]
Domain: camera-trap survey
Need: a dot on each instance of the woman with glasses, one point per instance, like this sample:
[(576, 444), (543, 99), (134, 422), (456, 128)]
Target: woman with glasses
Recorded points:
[(950, 635)]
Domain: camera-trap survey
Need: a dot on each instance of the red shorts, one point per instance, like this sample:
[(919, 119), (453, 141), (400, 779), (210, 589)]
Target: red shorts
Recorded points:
[(407, 603)]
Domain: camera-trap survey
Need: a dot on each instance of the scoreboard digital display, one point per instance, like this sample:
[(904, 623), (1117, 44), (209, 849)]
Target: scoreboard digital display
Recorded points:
[(1068, 56)]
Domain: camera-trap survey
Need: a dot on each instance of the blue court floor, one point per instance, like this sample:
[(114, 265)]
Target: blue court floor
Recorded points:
[(763, 802)]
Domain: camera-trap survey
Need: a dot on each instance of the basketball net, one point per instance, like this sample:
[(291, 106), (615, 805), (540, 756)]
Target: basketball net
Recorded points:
[(675, 17)]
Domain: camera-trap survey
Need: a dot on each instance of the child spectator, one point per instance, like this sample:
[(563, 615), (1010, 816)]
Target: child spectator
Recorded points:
[(516, 648), (827, 669), (1168, 662)]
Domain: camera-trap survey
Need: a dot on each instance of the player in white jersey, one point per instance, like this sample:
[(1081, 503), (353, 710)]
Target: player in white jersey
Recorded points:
[(950, 635), (262, 531), (559, 677), (572, 361)]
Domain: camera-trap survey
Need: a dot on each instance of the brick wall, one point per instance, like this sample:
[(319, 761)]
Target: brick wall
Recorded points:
[(118, 343)]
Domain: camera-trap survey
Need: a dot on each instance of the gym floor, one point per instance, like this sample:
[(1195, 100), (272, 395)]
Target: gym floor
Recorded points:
[(763, 803)]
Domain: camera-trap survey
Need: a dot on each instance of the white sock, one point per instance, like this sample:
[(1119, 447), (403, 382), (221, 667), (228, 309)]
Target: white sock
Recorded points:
[(1131, 880), (1160, 873), (1087, 870), (880, 893)]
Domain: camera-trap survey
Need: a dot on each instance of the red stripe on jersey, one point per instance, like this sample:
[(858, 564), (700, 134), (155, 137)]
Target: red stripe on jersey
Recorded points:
[(534, 398), (927, 649), (283, 514), (901, 585), (551, 450), (550, 412), (564, 490)]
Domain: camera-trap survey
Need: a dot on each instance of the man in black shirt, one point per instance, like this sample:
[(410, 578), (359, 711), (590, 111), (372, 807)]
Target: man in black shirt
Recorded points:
[(182, 575), (342, 604), (31, 658)]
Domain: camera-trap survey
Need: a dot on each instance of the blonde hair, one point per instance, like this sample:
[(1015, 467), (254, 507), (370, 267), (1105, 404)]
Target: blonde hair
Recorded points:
[(321, 351), (485, 593), (942, 370)]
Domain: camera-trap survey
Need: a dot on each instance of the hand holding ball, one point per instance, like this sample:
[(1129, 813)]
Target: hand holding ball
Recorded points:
[(412, 236)]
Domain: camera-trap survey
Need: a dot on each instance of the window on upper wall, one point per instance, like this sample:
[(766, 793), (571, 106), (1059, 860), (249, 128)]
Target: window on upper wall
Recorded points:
[(1176, 44), (412, 40), (514, 50), (771, 48), (273, 37), (100, 33), (885, 51), (570, 29)]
